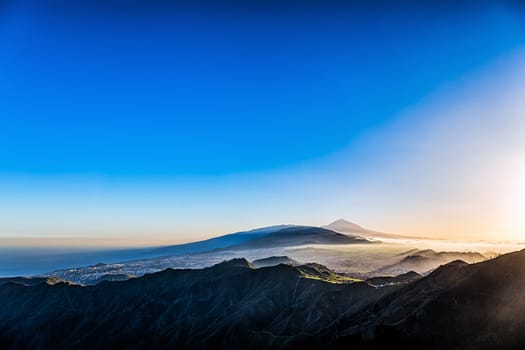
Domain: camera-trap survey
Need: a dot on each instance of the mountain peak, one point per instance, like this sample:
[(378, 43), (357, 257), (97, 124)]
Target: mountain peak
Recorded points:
[(235, 263), (344, 225), (342, 221)]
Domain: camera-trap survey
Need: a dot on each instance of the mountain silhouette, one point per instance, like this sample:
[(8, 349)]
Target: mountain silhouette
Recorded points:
[(234, 305)]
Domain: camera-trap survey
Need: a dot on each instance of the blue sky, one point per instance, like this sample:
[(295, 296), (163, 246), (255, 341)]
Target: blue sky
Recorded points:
[(121, 118)]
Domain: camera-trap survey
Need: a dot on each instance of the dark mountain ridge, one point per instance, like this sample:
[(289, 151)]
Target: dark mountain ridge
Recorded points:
[(230, 305), (234, 305)]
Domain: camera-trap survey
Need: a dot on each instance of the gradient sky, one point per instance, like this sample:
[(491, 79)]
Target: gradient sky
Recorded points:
[(156, 121)]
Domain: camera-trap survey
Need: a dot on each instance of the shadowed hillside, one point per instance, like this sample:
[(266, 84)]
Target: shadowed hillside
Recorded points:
[(230, 305), (234, 305)]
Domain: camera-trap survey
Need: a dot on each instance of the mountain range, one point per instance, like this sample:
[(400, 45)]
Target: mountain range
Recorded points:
[(272, 236), (347, 252), (234, 305)]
